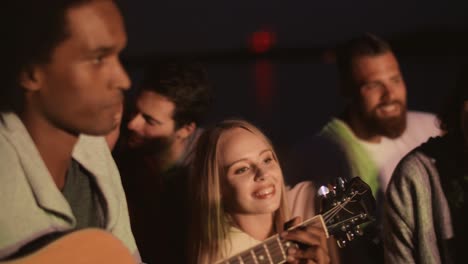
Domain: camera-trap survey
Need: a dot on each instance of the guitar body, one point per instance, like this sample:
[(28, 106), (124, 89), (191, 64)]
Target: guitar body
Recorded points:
[(85, 246)]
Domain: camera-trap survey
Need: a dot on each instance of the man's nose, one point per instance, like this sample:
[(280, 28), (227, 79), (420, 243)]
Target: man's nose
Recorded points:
[(135, 123), (120, 77), (388, 91)]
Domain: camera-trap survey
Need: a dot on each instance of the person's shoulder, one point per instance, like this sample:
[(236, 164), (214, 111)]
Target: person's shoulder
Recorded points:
[(423, 123), (11, 167), (414, 157), (302, 186), (412, 167), (9, 122), (301, 189), (412, 178), (338, 131), (5, 144), (419, 116), (7, 148), (334, 123), (8, 154)]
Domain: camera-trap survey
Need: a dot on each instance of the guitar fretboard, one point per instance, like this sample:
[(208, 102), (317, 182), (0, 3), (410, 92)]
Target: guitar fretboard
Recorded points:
[(272, 250)]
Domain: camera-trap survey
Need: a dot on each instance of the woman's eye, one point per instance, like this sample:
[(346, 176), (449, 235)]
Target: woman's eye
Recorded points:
[(268, 160), (241, 170)]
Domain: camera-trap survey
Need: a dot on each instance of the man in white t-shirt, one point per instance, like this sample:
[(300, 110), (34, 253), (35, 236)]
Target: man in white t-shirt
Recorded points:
[(373, 133), (389, 151)]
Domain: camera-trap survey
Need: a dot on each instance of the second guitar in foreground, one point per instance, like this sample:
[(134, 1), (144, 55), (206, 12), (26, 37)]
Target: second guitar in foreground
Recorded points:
[(87, 246)]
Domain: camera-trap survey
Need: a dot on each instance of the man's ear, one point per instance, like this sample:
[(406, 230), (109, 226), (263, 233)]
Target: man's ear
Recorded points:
[(31, 78), (186, 130)]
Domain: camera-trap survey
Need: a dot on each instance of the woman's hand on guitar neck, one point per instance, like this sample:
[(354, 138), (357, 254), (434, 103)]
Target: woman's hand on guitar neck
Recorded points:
[(312, 242)]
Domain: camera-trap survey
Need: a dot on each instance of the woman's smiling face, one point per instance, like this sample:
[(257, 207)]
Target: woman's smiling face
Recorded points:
[(252, 180)]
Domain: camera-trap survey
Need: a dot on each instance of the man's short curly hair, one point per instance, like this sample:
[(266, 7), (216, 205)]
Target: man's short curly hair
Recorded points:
[(33, 30), (363, 45), (185, 84)]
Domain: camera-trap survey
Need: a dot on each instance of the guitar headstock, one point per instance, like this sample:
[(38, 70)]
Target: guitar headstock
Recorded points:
[(345, 206)]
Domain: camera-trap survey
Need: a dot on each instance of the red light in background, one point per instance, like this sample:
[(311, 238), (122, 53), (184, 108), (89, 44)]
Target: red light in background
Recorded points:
[(264, 85), (262, 41), (329, 57)]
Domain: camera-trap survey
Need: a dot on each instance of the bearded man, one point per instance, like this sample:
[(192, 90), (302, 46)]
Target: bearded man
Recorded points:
[(370, 136), (154, 152), (375, 131)]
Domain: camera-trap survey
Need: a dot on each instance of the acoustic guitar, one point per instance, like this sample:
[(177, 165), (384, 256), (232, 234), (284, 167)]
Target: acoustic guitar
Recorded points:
[(344, 208), (86, 246)]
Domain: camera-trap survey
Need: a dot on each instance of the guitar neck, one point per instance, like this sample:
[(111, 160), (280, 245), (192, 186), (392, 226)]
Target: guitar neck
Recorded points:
[(346, 208), (272, 250)]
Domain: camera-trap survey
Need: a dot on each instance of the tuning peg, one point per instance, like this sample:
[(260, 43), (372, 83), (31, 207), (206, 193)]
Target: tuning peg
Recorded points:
[(358, 231), (341, 243), (340, 184), (350, 235), (323, 191)]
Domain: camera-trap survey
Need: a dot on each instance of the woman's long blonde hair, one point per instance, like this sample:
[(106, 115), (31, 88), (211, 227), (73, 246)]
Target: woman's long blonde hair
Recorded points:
[(209, 226)]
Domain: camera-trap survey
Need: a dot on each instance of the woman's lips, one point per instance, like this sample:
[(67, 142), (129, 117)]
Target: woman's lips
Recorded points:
[(266, 192)]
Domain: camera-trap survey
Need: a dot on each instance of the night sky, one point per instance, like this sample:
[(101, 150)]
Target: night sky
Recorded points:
[(207, 26)]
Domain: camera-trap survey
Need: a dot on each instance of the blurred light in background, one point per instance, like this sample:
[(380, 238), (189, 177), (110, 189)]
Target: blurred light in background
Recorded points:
[(262, 41)]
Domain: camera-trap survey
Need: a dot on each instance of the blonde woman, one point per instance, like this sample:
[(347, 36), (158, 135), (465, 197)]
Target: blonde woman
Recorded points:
[(239, 199)]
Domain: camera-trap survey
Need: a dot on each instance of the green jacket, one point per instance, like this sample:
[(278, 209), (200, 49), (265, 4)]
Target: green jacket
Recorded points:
[(358, 158)]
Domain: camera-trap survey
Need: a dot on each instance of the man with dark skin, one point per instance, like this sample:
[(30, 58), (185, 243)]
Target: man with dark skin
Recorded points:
[(64, 89)]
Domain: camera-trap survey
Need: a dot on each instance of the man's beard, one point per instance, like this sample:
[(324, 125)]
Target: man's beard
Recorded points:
[(150, 146), (391, 127)]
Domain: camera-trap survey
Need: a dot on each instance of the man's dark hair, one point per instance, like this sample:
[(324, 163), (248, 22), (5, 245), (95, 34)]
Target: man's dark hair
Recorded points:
[(450, 115), (185, 84), (363, 45), (33, 30)]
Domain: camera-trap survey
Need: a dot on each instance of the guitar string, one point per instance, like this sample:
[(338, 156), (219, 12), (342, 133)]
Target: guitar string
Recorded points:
[(327, 216), (332, 213), (343, 205)]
